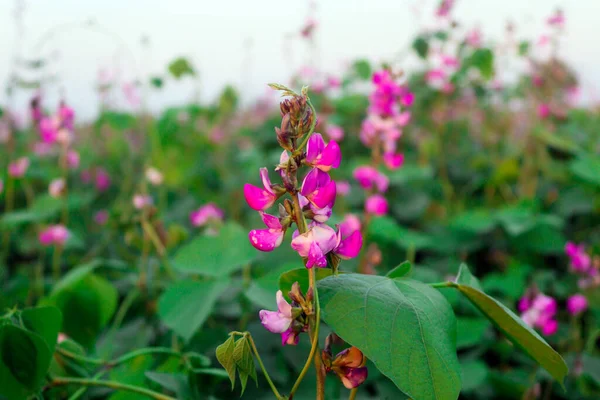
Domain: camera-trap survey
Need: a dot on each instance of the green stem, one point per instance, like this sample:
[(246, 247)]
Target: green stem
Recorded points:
[(56, 253), (353, 393), (120, 316), (262, 367), (81, 391), (160, 249), (442, 285), (120, 360), (110, 384)]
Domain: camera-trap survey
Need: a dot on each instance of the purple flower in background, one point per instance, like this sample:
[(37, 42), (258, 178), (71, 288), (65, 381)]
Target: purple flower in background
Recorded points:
[(577, 304), (72, 159), (369, 177), (54, 235), (101, 217), (393, 160), (270, 238), (334, 132), (18, 168), (102, 180), (205, 214), (540, 312), (580, 260), (141, 201), (377, 205)]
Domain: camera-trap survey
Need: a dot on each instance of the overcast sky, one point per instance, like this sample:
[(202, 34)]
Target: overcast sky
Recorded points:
[(250, 43)]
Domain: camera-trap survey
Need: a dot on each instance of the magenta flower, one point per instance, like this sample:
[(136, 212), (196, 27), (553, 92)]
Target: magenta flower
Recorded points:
[(577, 304), (205, 214), (270, 238), (102, 180), (318, 188), (369, 177), (543, 110), (558, 19), (18, 168), (349, 242), (322, 156), (393, 160), (101, 217), (580, 260), (260, 199), (66, 116), (377, 205), (315, 244), (49, 129), (540, 313), (350, 224), (316, 213), (279, 321), (407, 99), (54, 235)]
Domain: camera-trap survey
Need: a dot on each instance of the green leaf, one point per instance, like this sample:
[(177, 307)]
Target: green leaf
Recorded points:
[(218, 255), (242, 355), (523, 48), (401, 271), (471, 331), (387, 230), (483, 60), (474, 374), (225, 357), (131, 373), (474, 221), (406, 328), (185, 305), (300, 275), (24, 360), (511, 325), (87, 302), (586, 168), (181, 67), (157, 82), (45, 321), (176, 383), (421, 46), (363, 69)]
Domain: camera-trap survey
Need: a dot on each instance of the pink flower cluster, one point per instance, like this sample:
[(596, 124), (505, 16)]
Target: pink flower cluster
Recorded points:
[(54, 235), (582, 265), (208, 213), (57, 128), (539, 312)]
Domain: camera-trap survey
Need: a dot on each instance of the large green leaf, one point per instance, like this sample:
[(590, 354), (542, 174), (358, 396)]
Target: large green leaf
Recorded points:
[(24, 360), (87, 302), (405, 327), (45, 321), (300, 275), (217, 255), (586, 167), (511, 325), (185, 305)]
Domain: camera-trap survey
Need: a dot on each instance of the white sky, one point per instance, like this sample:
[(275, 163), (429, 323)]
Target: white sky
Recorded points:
[(248, 43)]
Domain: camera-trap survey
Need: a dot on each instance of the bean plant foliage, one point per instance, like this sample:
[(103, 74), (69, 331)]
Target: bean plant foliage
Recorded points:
[(381, 232)]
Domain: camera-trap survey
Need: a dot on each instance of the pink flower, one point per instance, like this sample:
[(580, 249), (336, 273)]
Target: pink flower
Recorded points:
[(474, 38), (558, 19), (383, 100), (450, 61), (444, 8), (101, 217), (278, 321), (550, 327), (57, 187), (18, 168), (347, 365), (257, 198), (102, 180), (543, 110), (270, 238), (318, 188), (322, 156), (131, 94), (72, 159), (154, 176), (377, 205), (576, 304), (66, 116), (540, 313), (315, 244), (349, 242), (350, 224), (342, 187), (369, 177), (205, 214), (580, 260), (333, 82), (393, 160), (61, 338), (54, 235), (49, 129), (334, 132), (407, 99)]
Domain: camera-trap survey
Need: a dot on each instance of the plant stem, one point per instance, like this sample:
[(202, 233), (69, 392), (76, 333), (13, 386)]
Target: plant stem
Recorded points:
[(83, 389), (262, 366), (110, 384), (56, 253), (160, 249), (352, 395), (120, 360), (442, 285)]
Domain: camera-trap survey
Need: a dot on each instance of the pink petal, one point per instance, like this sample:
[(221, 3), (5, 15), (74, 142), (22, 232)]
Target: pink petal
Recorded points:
[(289, 337), (353, 377), (257, 198), (271, 221), (324, 196), (283, 306), (265, 239), (274, 321), (350, 246), (393, 161), (330, 157), (377, 205), (316, 256), (264, 176), (314, 148)]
